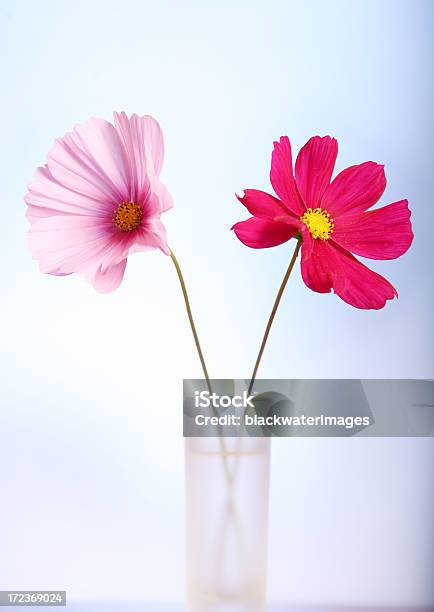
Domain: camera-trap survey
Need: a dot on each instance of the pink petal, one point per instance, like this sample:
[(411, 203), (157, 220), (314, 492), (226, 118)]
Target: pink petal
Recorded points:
[(314, 168), (34, 213), (118, 248), (384, 233), (263, 233), (153, 236), (355, 189), (64, 244), (153, 141), (47, 197), (261, 204), (144, 147), (330, 267), (282, 177), (159, 199), (107, 280), (134, 145), (91, 161)]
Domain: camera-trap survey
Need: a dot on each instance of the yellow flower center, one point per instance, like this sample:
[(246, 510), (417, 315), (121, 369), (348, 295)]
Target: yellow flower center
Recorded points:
[(128, 216), (318, 222)]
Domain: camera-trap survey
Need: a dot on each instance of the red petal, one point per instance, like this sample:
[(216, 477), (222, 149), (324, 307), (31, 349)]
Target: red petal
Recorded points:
[(314, 168), (384, 233), (330, 267), (355, 189), (263, 233), (314, 264), (261, 204), (282, 177)]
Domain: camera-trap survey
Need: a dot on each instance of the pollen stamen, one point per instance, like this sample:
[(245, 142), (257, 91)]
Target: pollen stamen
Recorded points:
[(318, 222), (128, 216)]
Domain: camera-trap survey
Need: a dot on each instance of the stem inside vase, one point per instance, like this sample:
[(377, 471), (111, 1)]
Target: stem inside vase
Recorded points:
[(226, 551)]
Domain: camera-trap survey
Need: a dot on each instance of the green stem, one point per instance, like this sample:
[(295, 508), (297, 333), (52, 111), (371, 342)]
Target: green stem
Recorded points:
[(190, 318), (273, 313), (202, 361)]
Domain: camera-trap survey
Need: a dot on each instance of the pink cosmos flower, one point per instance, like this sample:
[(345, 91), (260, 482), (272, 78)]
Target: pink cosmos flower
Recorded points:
[(99, 199), (333, 219)]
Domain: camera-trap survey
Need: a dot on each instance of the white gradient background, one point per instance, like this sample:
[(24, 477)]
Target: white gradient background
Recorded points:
[(91, 454)]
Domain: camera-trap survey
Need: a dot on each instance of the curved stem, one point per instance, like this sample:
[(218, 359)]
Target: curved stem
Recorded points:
[(203, 364), (190, 318), (231, 505), (273, 313)]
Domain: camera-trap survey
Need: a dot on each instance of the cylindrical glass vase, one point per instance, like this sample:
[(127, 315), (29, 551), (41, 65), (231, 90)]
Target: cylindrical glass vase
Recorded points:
[(227, 483)]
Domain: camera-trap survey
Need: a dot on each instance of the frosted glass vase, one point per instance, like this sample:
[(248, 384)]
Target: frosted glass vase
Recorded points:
[(227, 512)]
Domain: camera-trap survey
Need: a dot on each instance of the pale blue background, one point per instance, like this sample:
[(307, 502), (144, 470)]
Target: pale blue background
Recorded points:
[(91, 476)]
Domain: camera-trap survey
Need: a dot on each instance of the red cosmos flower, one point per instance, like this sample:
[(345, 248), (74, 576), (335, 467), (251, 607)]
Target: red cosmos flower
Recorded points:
[(332, 218)]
